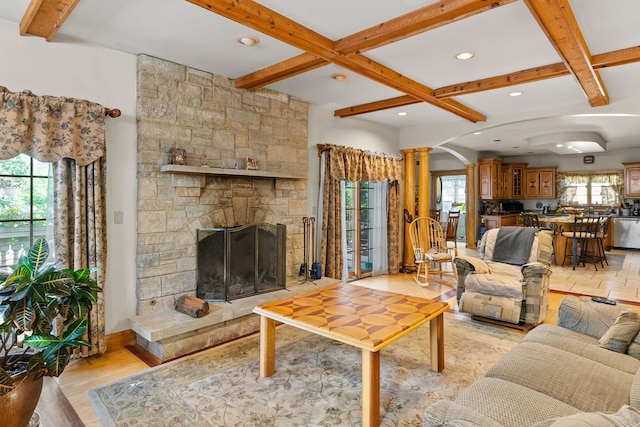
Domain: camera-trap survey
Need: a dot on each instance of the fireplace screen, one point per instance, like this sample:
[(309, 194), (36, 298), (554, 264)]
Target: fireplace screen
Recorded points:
[(241, 261)]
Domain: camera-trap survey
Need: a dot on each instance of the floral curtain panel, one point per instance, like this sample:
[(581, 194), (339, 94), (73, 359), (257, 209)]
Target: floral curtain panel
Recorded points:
[(70, 134), (50, 128), (346, 163), (80, 232)]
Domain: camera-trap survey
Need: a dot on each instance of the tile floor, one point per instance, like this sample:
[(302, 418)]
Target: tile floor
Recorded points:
[(620, 280)]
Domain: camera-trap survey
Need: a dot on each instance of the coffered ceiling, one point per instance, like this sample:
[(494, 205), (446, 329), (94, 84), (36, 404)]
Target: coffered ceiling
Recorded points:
[(577, 62)]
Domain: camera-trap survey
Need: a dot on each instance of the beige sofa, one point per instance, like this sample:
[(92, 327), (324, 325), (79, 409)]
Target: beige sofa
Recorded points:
[(509, 280), (558, 375)]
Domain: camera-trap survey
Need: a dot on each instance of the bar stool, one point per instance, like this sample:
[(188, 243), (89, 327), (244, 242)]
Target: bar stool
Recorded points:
[(582, 236)]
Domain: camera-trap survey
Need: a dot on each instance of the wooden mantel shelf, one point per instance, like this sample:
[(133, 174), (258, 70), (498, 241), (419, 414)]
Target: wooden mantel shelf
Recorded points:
[(198, 170)]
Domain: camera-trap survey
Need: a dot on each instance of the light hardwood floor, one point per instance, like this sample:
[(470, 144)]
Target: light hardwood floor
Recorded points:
[(621, 280)]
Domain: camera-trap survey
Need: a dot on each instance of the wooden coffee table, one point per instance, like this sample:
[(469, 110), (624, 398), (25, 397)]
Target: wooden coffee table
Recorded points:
[(365, 318)]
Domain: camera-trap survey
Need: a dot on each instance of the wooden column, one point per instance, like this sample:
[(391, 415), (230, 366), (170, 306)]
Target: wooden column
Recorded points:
[(424, 200), (472, 213), (409, 204)]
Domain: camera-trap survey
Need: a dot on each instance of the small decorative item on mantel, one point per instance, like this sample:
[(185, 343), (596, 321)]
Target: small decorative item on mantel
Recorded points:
[(178, 156), (251, 163), (204, 161)]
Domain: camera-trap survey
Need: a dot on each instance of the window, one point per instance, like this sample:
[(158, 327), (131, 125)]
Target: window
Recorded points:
[(24, 202), (453, 192), (590, 189)]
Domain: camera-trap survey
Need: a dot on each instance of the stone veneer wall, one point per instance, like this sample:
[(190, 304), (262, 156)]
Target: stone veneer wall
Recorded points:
[(202, 113)]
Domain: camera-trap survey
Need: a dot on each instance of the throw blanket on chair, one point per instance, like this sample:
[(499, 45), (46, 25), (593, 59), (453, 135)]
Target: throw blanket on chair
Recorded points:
[(513, 245)]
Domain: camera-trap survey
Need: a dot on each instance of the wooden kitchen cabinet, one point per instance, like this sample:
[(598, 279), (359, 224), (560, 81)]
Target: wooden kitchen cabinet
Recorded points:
[(632, 180), (513, 175), (497, 221), (540, 183), (489, 175)]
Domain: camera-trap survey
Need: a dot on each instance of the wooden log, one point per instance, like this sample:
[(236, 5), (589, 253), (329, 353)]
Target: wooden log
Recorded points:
[(194, 307)]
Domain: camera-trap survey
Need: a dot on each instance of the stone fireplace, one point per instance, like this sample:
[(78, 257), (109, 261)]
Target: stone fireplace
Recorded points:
[(202, 113), (239, 262)]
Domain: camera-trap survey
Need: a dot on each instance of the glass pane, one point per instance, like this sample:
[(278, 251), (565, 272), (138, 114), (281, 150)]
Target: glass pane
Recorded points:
[(366, 261), (19, 165), (14, 241), (41, 169)]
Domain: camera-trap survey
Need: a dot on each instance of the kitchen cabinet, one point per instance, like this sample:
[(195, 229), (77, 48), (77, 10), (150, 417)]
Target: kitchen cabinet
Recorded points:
[(512, 180), (489, 173), (497, 221), (632, 180), (540, 183)]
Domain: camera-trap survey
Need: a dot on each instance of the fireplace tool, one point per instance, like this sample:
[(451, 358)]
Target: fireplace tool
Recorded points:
[(305, 238), (316, 270)]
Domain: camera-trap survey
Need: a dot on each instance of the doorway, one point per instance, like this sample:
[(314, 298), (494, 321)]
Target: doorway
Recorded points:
[(365, 232), (451, 195)]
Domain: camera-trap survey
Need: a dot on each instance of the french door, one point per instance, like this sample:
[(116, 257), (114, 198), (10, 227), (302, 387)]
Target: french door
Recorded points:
[(365, 233)]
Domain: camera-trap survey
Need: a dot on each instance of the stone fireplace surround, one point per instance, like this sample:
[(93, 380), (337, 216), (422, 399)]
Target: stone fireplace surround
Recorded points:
[(180, 107)]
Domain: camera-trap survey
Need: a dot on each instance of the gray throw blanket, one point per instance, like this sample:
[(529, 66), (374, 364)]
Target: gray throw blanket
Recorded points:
[(513, 245)]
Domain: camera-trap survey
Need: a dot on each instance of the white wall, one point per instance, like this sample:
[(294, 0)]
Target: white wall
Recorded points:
[(107, 77), (324, 128)]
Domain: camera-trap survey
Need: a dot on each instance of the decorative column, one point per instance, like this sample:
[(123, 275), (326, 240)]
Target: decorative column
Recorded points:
[(424, 200), (409, 204), (472, 214)]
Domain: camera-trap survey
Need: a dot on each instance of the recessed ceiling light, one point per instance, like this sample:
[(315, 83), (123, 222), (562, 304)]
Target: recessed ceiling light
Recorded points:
[(339, 77), (558, 145), (477, 133), (402, 113), (516, 93), (248, 40), (463, 56)]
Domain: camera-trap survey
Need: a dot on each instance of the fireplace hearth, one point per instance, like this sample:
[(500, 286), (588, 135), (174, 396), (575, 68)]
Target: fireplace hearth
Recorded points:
[(238, 262)]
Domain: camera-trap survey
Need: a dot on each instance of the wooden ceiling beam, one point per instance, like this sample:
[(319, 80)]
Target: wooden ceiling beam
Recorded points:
[(415, 22), (371, 107), (269, 22), (43, 18), (418, 21), (556, 19), (602, 60), (280, 71)]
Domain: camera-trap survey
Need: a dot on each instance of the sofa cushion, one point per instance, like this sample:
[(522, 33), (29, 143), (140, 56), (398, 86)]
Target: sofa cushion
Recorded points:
[(585, 316), (503, 280), (625, 417), (582, 345), (622, 332), (511, 404), (445, 413), (570, 378)]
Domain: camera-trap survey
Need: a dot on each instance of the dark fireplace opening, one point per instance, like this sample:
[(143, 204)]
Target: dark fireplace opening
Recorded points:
[(238, 262)]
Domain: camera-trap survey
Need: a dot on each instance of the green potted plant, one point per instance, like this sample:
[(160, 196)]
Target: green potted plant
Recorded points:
[(43, 315)]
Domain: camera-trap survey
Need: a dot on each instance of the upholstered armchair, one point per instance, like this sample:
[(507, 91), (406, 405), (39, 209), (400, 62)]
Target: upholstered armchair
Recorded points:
[(509, 281)]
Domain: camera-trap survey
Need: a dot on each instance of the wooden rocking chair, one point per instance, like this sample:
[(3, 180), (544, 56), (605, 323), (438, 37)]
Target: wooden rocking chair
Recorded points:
[(429, 247)]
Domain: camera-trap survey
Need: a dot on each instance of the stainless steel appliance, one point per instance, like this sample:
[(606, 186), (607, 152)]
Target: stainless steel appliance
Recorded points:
[(626, 232)]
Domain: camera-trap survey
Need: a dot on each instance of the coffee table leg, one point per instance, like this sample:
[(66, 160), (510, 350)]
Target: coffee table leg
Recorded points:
[(436, 332), (370, 388), (267, 346)]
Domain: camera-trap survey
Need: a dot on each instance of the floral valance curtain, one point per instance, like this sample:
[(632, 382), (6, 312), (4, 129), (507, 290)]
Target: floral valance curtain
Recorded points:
[(50, 128), (354, 164), (567, 184)]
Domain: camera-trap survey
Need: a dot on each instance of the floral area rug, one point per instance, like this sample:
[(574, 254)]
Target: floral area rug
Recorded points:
[(317, 381)]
